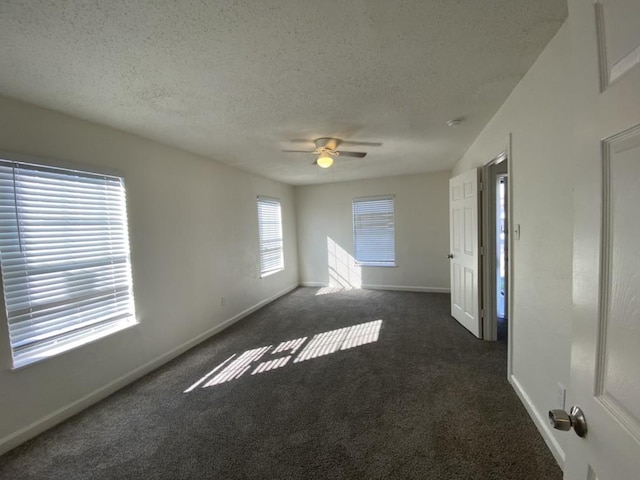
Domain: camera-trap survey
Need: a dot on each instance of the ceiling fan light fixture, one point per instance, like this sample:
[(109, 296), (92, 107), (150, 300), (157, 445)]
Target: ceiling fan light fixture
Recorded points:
[(324, 160)]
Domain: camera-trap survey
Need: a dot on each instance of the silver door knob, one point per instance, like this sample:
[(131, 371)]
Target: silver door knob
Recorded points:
[(450, 256), (561, 420)]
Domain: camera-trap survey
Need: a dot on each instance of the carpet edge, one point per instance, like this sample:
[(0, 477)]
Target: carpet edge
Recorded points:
[(397, 288)]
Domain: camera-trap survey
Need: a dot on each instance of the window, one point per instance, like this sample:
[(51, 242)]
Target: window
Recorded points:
[(64, 250), (373, 231), (270, 235)]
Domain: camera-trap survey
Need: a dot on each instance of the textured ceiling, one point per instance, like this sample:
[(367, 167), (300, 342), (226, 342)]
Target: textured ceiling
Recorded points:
[(235, 81)]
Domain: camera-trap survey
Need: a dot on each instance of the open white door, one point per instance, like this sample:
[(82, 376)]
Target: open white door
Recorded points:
[(605, 356), (463, 243)]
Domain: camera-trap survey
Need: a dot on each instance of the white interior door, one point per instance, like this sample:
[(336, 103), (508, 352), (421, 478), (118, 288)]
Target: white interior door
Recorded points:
[(605, 356), (463, 242)]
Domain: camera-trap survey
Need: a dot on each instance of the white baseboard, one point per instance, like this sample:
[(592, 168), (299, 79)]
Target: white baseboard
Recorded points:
[(540, 421), (14, 439), (403, 288), (400, 288)]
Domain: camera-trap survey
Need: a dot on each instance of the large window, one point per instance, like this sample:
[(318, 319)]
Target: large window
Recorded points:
[(270, 235), (64, 250), (373, 231)]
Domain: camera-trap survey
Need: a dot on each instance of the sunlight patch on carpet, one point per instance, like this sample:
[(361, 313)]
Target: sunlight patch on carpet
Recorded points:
[(329, 290), (321, 344), (341, 339)]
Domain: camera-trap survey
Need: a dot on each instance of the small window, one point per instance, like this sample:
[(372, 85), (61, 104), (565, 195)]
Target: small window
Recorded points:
[(373, 231), (66, 273), (270, 236)]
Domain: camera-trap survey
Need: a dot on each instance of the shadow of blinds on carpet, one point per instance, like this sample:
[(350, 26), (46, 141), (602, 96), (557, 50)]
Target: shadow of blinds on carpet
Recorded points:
[(320, 345)]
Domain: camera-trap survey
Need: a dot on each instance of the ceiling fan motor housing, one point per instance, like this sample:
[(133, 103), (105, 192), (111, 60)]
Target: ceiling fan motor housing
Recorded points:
[(327, 144)]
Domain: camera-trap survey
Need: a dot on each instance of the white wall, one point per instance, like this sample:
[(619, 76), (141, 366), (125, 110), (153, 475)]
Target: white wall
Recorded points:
[(421, 227), (194, 239), (538, 114)]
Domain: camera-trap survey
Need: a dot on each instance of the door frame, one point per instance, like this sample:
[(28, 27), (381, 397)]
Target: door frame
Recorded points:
[(488, 257), (489, 240)]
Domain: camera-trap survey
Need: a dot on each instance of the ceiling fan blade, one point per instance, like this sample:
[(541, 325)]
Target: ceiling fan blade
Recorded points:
[(363, 144), (353, 154), (299, 151)]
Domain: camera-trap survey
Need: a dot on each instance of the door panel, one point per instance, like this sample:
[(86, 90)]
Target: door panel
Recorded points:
[(463, 204), (617, 35), (469, 247), (617, 379), (457, 289), (455, 247), (469, 292), (605, 354)]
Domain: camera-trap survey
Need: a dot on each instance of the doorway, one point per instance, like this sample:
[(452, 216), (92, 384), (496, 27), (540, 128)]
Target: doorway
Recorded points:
[(495, 249), (502, 250)]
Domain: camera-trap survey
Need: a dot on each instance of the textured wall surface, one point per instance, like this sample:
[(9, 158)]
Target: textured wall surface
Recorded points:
[(325, 232), (538, 115), (194, 239)]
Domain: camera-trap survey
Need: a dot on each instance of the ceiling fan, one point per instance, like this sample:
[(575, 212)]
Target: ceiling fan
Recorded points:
[(326, 149)]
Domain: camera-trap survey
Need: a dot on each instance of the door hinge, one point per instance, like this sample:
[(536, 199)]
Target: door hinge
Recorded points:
[(481, 186), (482, 313), (481, 250)]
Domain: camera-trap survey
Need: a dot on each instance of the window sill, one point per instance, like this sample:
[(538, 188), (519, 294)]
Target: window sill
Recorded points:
[(374, 264), (271, 272), (54, 351)]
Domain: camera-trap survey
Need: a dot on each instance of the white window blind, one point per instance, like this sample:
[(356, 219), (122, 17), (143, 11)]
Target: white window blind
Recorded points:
[(270, 235), (373, 231), (64, 250)]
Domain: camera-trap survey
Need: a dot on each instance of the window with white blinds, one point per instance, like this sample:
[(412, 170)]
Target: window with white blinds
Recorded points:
[(64, 252), (270, 235), (373, 231)]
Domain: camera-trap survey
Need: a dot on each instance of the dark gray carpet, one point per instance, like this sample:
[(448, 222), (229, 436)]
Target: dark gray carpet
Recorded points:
[(426, 401)]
